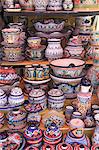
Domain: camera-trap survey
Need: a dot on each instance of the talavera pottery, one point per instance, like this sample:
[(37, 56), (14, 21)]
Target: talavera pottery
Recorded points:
[(67, 67), (40, 85), (54, 49), (31, 147), (3, 98), (16, 97), (18, 25), (37, 101), (26, 4), (68, 113), (74, 48), (95, 146), (11, 35), (49, 26), (48, 146), (68, 4), (3, 139), (7, 4), (76, 133), (40, 5), (34, 42), (7, 75), (84, 5), (15, 140), (16, 119), (33, 135), (81, 147), (63, 146), (54, 5), (56, 99), (35, 54), (95, 137), (2, 119), (53, 117), (52, 135), (69, 86), (34, 118), (89, 122)]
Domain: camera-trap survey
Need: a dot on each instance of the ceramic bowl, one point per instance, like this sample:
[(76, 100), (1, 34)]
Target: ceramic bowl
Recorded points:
[(34, 42), (11, 35), (69, 86), (50, 26), (67, 67)]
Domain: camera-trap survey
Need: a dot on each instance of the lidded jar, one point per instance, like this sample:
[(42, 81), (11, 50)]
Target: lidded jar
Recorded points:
[(3, 98), (54, 5), (16, 97), (38, 99), (54, 49), (56, 99), (33, 135), (16, 119)]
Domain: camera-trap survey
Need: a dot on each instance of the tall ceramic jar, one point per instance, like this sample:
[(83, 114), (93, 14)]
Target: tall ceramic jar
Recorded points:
[(95, 137), (54, 49)]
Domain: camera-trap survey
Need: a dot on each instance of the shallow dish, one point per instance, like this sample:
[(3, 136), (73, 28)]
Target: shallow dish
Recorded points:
[(67, 67)]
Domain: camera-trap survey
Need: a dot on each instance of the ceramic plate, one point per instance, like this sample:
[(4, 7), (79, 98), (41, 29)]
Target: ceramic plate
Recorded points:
[(37, 82), (13, 10)]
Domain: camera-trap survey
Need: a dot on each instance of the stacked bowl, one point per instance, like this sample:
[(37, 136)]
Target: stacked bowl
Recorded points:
[(67, 74)]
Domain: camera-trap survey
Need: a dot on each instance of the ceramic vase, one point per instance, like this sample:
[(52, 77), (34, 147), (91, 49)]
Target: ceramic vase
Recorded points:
[(54, 5), (95, 137), (40, 5), (68, 4), (26, 4), (54, 49), (85, 5), (76, 133)]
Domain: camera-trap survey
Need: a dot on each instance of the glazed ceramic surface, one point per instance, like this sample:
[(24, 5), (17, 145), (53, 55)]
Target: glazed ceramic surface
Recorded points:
[(56, 99), (40, 5), (49, 26), (54, 5), (2, 119), (68, 4), (63, 146), (3, 98), (68, 113), (81, 147), (67, 67), (11, 35), (83, 5), (69, 86), (7, 3), (76, 134), (34, 118), (26, 4), (95, 138), (34, 42), (54, 49), (16, 97), (95, 146)]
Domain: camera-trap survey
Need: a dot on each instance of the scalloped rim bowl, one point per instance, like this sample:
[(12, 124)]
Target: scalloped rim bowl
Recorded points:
[(67, 67)]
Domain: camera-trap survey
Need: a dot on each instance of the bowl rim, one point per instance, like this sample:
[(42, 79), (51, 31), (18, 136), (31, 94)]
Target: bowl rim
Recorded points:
[(51, 64)]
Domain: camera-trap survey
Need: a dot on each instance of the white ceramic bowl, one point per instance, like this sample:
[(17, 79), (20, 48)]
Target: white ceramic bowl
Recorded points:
[(67, 67), (49, 27)]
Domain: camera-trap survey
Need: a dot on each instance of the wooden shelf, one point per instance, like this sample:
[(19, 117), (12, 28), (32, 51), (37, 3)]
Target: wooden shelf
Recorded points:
[(29, 62), (50, 13)]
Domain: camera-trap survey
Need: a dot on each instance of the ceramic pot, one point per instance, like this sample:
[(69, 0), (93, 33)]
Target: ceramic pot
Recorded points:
[(26, 4), (85, 38), (16, 97), (76, 114), (54, 5), (16, 25), (3, 98), (95, 146), (95, 38), (34, 42), (40, 5), (63, 146), (3, 139), (54, 49), (52, 135), (89, 121), (68, 4), (13, 53), (38, 100), (81, 147), (8, 4), (56, 99), (7, 75), (2, 119), (47, 147), (74, 48), (68, 113), (69, 86), (76, 133), (16, 119), (33, 135), (67, 68), (34, 118), (85, 5), (31, 147), (11, 35), (95, 137)]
